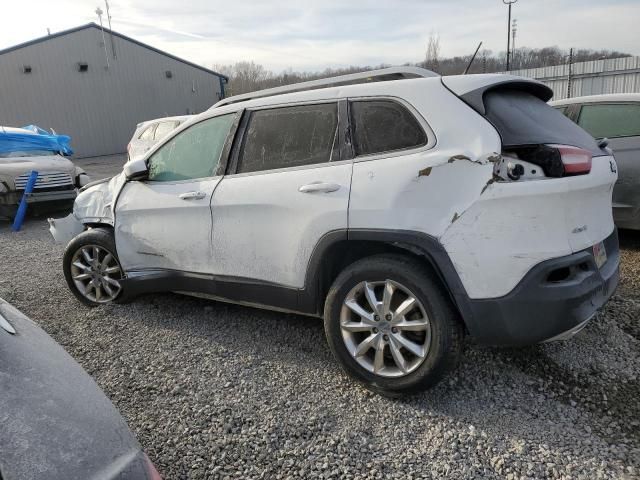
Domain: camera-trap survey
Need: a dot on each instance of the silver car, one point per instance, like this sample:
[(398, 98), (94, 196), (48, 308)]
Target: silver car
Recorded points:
[(615, 117)]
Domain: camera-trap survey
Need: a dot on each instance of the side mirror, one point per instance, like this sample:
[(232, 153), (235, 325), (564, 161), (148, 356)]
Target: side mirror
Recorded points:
[(136, 169)]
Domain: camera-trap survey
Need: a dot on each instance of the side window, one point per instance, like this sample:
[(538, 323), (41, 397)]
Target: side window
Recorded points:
[(164, 128), (383, 126), (193, 153), (147, 134), (289, 137), (611, 120)]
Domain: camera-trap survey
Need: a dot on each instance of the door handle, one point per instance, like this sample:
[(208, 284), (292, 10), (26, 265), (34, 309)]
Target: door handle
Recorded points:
[(192, 196), (320, 187)]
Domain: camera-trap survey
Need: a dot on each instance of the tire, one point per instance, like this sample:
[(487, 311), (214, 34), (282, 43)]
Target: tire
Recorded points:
[(93, 283), (440, 341)]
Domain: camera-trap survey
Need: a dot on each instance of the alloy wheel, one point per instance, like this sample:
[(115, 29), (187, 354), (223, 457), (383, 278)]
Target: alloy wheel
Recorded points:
[(385, 328), (96, 273)]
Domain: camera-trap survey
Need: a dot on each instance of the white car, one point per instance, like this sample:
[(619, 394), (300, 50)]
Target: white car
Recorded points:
[(22, 151), (149, 133), (406, 212)]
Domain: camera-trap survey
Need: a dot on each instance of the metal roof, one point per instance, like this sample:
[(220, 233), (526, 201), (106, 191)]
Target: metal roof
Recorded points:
[(95, 25)]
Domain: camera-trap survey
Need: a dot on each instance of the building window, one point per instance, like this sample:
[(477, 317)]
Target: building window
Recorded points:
[(83, 67), (168, 74), (26, 69)]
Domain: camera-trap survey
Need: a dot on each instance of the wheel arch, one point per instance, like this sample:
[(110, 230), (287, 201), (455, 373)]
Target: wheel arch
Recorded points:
[(337, 250)]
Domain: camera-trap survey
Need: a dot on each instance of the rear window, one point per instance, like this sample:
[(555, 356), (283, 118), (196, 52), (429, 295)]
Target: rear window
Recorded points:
[(289, 137), (164, 128), (523, 119), (384, 126), (611, 120), (148, 133)]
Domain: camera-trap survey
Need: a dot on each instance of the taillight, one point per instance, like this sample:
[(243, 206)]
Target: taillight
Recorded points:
[(576, 161), (151, 470)]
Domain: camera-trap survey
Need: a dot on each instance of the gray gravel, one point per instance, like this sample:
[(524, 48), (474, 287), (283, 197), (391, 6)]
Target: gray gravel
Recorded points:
[(222, 391)]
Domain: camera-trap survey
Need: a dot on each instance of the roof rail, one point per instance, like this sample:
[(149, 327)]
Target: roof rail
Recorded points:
[(381, 75)]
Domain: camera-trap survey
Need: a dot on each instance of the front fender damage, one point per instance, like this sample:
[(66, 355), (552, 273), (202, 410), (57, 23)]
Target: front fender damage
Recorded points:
[(93, 205)]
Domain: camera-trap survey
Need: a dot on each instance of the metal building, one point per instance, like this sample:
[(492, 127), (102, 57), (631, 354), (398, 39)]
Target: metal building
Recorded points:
[(613, 75), (96, 85)]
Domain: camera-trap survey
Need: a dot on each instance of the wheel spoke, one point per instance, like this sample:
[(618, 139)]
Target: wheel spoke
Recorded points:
[(106, 287), (366, 344), (113, 269), (397, 355), (96, 256), (413, 347), (87, 257), (82, 276), (81, 266), (386, 297), (110, 280), (105, 261), (413, 325), (370, 295), (356, 327), (98, 290), (378, 359), (358, 310), (405, 307)]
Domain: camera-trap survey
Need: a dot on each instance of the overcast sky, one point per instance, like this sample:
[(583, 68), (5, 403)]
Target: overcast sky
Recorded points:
[(313, 35)]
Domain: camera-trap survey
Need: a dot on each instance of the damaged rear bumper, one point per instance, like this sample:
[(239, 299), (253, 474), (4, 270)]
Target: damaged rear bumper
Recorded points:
[(553, 301)]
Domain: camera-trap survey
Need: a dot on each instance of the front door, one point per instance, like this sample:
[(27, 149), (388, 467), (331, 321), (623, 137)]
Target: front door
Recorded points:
[(164, 222), (289, 187)]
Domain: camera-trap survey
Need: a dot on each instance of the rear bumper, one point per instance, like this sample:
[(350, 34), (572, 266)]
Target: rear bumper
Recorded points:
[(539, 309)]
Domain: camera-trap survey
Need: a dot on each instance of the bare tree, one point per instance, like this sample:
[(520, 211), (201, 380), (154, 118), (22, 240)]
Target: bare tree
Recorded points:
[(433, 52)]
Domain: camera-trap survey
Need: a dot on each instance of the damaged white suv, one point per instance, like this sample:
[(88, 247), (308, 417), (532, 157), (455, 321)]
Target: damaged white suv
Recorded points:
[(406, 211)]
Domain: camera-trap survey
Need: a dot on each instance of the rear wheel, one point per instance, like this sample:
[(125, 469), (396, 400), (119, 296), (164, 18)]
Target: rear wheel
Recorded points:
[(391, 325), (91, 267)]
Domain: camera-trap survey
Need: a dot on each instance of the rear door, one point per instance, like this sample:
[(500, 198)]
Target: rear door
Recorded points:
[(288, 187), (165, 222), (620, 123)]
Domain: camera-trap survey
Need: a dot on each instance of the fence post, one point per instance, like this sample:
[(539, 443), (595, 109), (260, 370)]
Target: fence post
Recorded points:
[(22, 208)]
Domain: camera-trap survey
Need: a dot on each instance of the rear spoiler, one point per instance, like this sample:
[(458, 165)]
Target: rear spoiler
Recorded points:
[(472, 88)]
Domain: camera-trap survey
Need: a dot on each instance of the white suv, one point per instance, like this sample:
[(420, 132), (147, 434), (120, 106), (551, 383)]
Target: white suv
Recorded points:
[(406, 212)]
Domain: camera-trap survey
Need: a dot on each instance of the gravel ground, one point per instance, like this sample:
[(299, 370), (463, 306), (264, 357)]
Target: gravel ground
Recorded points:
[(222, 391)]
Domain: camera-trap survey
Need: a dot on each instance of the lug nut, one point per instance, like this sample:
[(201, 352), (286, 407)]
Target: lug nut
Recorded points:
[(376, 318), (375, 330), (386, 337), (388, 316), (394, 330)]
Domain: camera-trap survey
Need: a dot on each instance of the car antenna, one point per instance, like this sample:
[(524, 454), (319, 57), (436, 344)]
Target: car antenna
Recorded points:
[(472, 59)]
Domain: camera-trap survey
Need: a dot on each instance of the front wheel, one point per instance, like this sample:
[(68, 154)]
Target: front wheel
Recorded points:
[(390, 324), (91, 267)]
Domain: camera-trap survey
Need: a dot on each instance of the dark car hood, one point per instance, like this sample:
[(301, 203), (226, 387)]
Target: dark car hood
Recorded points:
[(55, 422)]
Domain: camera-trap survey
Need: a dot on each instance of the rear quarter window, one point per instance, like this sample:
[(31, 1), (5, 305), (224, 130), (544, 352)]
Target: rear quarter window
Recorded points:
[(523, 119), (381, 126), (611, 120)]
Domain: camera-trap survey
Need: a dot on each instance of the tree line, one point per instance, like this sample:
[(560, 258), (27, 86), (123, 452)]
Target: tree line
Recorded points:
[(248, 76)]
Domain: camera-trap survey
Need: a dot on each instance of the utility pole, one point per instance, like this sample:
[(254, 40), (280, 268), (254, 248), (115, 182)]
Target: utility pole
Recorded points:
[(509, 2), (514, 29), (113, 47), (104, 41), (569, 74)]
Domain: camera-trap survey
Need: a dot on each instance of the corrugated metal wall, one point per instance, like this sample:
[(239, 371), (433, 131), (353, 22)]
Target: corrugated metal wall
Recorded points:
[(614, 75), (100, 108)]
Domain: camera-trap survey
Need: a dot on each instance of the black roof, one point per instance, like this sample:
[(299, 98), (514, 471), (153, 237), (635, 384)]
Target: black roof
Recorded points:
[(95, 25)]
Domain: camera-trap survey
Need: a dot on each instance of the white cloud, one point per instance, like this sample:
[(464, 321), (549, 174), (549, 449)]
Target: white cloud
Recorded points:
[(316, 34)]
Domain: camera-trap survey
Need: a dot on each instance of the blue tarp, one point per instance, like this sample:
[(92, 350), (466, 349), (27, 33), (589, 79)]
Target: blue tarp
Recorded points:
[(24, 142)]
